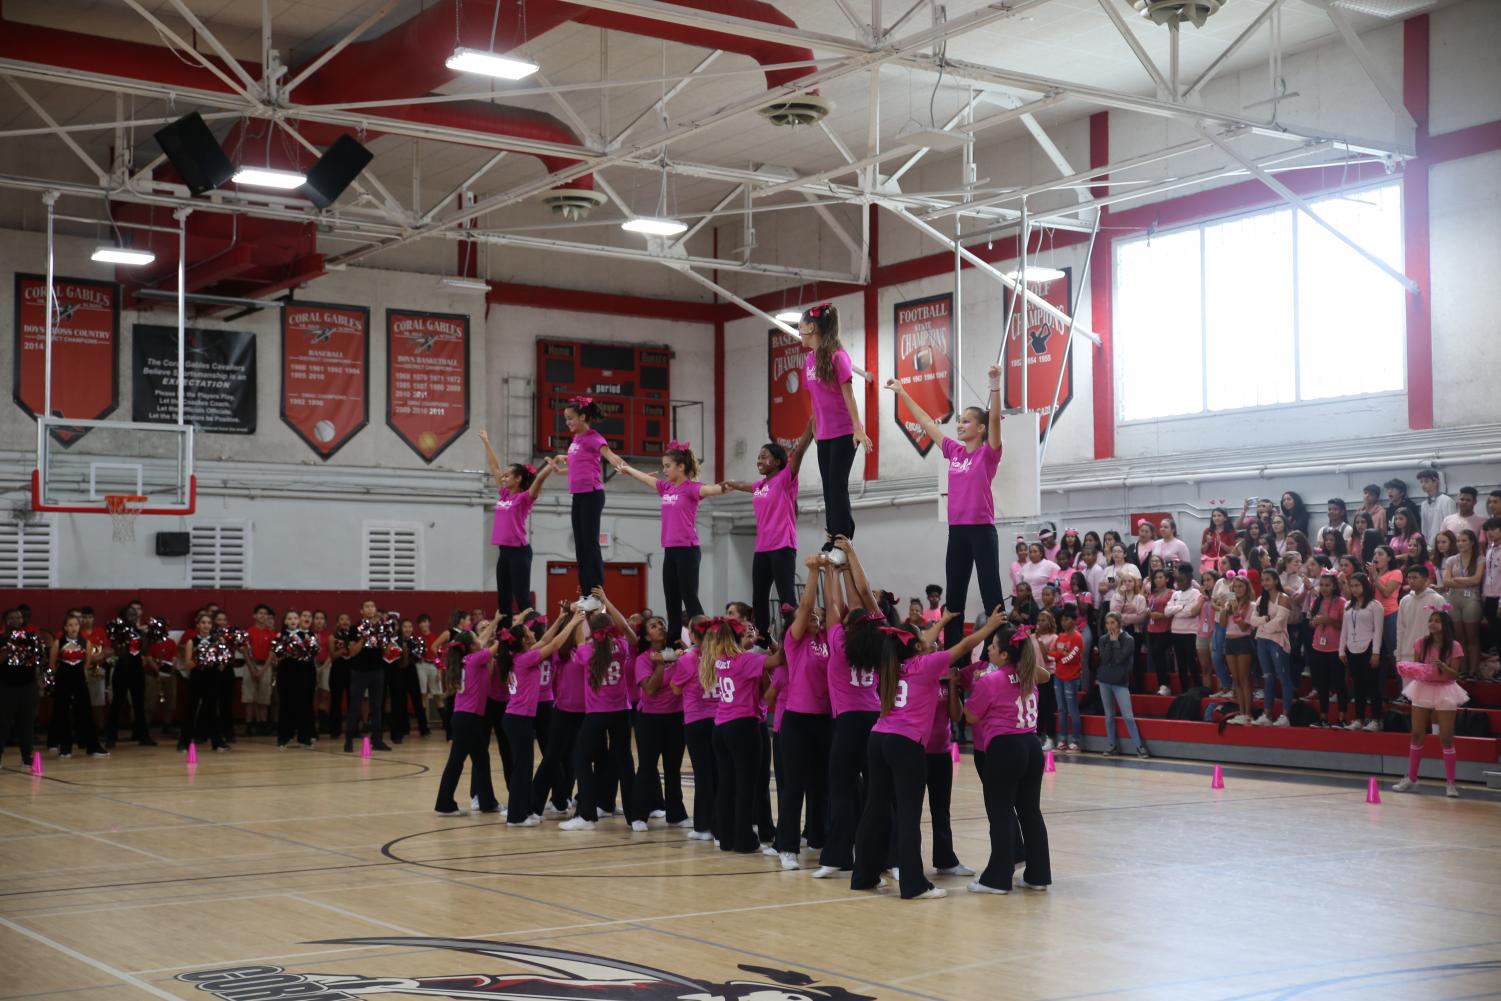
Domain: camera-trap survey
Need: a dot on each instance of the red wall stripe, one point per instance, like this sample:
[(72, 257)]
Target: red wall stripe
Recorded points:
[(872, 294), (1415, 56), (1101, 280)]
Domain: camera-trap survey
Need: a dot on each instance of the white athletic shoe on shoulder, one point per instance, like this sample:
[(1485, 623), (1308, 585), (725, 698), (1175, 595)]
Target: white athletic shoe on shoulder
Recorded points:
[(932, 893), (979, 887), (639, 826), (824, 872), (531, 821), (789, 860), (957, 870), (1405, 785), (452, 813), (577, 824)]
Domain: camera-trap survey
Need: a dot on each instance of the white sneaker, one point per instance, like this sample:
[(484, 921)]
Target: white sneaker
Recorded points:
[(1450, 791), (824, 872), (1223, 693), (1263, 720), (658, 814), (1355, 724), (531, 821), (474, 802), (1164, 690), (451, 813), (700, 836), (932, 893), (550, 812), (577, 824), (1031, 886), (1258, 695), (769, 851), (1241, 720), (600, 814), (1047, 743), (1404, 785), (639, 826), (685, 822), (1373, 726), (979, 887), (957, 870), (1282, 721), (789, 859)]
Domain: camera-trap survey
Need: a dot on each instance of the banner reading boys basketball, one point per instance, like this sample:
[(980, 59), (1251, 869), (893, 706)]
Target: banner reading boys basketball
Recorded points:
[(788, 408), (85, 350), (1044, 340), (325, 377), (924, 346), (427, 379)]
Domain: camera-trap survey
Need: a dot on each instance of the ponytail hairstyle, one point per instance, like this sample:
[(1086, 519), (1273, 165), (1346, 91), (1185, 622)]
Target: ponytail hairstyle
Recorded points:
[(778, 453), (508, 643), (585, 407), (602, 628), (460, 645), (873, 646), (681, 453), (825, 320), (717, 641), (1031, 659), (524, 474), (454, 618)]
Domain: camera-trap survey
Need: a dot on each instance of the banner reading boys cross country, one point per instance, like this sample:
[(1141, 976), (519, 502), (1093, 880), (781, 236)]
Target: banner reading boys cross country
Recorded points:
[(1044, 341), (325, 379), (924, 345), (85, 350), (788, 408), (427, 379)]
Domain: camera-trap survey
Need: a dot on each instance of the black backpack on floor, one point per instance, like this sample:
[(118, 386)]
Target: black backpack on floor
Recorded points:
[(1472, 724), (1393, 721), (1302, 714), (1186, 706)]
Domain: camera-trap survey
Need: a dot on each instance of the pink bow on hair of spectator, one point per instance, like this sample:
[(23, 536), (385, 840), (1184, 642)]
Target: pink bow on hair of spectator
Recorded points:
[(679, 446), (582, 401)]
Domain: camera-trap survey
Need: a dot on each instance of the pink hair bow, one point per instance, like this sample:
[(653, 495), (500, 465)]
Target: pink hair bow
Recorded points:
[(608, 632), (901, 634), (1446, 607), (1070, 531), (1232, 574), (1329, 572), (817, 311), (530, 469), (582, 401), (679, 446), (1021, 633)]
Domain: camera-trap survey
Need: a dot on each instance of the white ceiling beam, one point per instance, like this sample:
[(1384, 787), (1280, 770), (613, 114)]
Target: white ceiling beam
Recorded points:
[(1374, 71), (69, 141), (463, 186), (912, 161), (394, 210), (858, 252), (1231, 49), (613, 195), (244, 87), (339, 46), (586, 135), (852, 17), (888, 32), (1164, 89), (120, 123), (708, 216), (659, 106), (844, 150), (212, 40), (123, 85), (1051, 151), (745, 27)]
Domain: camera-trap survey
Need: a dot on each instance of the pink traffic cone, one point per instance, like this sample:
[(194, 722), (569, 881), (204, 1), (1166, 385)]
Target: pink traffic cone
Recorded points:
[(1047, 762), (192, 754), (954, 752), (36, 763), (1373, 791), (365, 747), (1218, 782)]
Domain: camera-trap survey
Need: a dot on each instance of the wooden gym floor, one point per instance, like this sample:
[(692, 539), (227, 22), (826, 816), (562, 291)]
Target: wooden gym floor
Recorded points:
[(134, 877)]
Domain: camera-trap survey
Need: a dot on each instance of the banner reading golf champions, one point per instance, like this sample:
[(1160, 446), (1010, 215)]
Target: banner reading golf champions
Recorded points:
[(427, 379), (924, 363), (325, 373), (85, 350)]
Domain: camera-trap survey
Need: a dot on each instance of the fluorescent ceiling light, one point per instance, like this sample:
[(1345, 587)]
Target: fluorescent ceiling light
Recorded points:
[(269, 177), (937, 139), (122, 255), (1038, 274), (654, 226), (489, 64), (477, 284), (789, 316)]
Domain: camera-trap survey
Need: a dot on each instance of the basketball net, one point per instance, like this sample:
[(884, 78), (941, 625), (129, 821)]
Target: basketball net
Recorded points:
[(123, 510)]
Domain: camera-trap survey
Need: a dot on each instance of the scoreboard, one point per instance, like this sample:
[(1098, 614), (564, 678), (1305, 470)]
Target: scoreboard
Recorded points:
[(631, 383)]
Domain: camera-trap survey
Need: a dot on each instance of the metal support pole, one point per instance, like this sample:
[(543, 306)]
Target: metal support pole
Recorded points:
[(182, 304), (50, 200), (1068, 338), (1021, 280)]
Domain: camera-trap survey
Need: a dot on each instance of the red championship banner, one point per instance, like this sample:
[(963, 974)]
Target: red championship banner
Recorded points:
[(85, 349), (924, 346), (1043, 342), (427, 379), (788, 408), (325, 373)]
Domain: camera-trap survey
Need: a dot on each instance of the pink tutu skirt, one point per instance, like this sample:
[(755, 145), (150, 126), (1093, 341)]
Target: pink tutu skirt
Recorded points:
[(1435, 694)]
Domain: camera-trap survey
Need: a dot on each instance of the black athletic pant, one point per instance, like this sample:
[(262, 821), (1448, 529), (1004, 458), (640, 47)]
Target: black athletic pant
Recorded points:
[(940, 796), (680, 586), (555, 773), (201, 720), (295, 681), (1013, 787), (129, 681), (365, 682), (228, 684), (775, 566), (1367, 678), (18, 705), (970, 546), (1490, 624), (897, 771), (699, 736), (737, 759), (470, 741), (72, 715), (1047, 711), (598, 729), (836, 457), (338, 692), (660, 735), (513, 578), (495, 715), (518, 732), (1328, 676), (804, 741), (1159, 648), (396, 688), (1186, 658), (586, 513), (848, 757)]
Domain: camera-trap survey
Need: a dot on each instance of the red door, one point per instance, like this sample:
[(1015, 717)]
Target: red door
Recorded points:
[(624, 582)]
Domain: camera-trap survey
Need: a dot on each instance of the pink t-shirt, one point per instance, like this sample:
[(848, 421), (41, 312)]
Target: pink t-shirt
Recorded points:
[(939, 738), (584, 473), (779, 685), (511, 512), (997, 703), (679, 512), (545, 672), (912, 714), (739, 687), (970, 476), (474, 685), (850, 690), (831, 418), (525, 675), (568, 684), (665, 701), (498, 691), (1037, 574), (1455, 650), (610, 696), (697, 704), (807, 688), (775, 503)]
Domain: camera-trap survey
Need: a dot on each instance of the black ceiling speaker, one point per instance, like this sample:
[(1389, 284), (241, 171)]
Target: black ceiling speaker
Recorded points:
[(335, 170), (195, 153)]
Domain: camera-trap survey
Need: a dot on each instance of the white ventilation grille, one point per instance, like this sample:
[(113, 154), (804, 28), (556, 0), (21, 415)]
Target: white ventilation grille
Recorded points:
[(219, 555), (26, 553), (393, 556)]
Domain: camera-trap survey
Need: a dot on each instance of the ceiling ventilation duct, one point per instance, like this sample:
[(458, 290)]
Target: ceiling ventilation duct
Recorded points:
[(1175, 12), (797, 109), (571, 203)]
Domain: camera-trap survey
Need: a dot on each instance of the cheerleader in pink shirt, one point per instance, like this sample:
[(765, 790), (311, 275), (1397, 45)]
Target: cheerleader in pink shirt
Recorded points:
[(519, 486), (828, 375), (741, 678), (774, 499), (699, 707), (909, 693), (681, 493), (528, 793), (586, 484), (472, 658), (659, 726), (604, 655), (1432, 685), (806, 727)]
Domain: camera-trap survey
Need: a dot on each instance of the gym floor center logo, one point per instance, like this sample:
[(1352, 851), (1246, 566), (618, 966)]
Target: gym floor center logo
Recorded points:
[(558, 975)]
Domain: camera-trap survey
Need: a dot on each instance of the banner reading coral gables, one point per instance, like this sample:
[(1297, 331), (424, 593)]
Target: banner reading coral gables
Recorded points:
[(427, 379), (325, 373)]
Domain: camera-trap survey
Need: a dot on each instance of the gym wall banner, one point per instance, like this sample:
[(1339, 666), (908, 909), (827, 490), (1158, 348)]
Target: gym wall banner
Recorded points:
[(924, 346), (427, 379), (788, 408), (1044, 342), (85, 350), (218, 384), (325, 373)]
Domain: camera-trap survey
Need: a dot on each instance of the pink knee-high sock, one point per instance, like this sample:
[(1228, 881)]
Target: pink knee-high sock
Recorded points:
[(1449, 759), (1414, 756)]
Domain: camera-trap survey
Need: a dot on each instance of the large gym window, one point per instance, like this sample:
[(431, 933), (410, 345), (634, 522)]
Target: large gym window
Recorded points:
[(1261, 310)]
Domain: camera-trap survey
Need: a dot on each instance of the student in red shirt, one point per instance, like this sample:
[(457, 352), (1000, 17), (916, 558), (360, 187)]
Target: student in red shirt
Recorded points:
[(255, 687), (1068, 660)]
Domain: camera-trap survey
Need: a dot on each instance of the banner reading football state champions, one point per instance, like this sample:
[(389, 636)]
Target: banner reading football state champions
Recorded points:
[(325, 378), (924, 346), (427, 379), (85, 350), (1044, 342), (788, 408)]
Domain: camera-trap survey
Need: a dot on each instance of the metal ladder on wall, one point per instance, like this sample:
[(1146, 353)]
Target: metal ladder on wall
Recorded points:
[(518, 414)]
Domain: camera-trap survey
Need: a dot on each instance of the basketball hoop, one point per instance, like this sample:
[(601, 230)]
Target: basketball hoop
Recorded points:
[(123, 510)]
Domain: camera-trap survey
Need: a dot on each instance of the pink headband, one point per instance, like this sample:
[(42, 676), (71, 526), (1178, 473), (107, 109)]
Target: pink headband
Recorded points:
[(679, 446)]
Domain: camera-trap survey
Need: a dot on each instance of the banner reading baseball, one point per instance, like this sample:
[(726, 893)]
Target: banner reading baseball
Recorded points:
[(427, 379), (1040, 338), (325, 379), (924, 346), (85, 350), (788, 408)]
